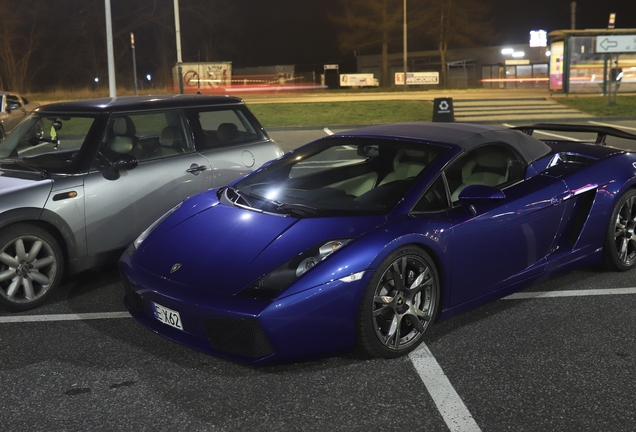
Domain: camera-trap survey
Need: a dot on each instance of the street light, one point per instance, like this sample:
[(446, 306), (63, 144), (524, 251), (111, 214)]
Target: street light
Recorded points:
[(109, 51), (405, 41), (132, 46), (178, 35)]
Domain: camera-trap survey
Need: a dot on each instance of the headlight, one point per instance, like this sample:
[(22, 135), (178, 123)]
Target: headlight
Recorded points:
[(135, 245), (276, 281)]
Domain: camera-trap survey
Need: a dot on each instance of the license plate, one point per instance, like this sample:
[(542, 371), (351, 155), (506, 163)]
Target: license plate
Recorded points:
[(167, 316)]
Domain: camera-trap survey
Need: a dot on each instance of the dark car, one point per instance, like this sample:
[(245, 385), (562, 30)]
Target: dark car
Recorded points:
[(366, 237), (13, 108), (80, 180)]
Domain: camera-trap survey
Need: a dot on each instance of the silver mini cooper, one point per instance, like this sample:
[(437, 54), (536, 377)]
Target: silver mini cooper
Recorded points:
[(80, 180)]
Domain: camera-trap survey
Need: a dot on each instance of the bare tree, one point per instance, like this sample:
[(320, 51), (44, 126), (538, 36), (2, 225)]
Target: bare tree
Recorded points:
[(371, 23), (460, 23), (22, 31)]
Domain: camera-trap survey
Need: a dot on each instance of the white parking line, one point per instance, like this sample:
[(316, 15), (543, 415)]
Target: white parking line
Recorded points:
[(327, 131), (450, 405), (63, 317), (448, 402), (570, 293)]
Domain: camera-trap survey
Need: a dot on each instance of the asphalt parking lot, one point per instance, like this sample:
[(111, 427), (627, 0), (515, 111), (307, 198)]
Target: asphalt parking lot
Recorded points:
[(558, 356)]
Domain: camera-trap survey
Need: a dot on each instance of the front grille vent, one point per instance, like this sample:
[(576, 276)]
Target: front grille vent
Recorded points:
[(240, 336), (133, 298)]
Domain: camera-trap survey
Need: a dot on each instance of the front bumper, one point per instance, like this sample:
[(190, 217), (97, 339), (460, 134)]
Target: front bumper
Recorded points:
[(314, 323)]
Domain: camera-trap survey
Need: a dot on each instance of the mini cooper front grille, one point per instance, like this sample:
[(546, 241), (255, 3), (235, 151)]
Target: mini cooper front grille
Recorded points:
[(240, 336)]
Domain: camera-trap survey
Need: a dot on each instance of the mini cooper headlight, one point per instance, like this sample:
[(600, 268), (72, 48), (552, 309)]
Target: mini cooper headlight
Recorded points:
[(276, 281)]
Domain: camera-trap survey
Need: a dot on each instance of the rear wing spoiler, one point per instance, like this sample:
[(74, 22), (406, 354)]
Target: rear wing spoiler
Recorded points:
[(601, 131)]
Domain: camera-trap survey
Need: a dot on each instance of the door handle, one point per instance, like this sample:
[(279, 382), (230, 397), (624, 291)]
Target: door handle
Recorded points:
[(196, 169)]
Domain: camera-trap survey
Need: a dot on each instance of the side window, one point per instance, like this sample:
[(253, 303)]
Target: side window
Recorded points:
[(146, 136), (225, 127), (435, 198), (13, 100), (492, 165)]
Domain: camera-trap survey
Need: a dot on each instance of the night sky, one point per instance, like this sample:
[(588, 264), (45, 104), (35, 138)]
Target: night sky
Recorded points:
[(299, 32)]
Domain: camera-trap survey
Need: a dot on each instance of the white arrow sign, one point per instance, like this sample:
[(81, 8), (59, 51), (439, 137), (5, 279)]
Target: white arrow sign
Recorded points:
[(615, 44)]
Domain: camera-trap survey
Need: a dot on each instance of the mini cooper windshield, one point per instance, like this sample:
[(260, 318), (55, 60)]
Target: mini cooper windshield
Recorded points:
[(46, 142), (333, 177)]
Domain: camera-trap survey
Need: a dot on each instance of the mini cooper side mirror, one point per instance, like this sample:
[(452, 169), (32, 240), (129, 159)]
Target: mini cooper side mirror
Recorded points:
[(475, 194), (124, 162)]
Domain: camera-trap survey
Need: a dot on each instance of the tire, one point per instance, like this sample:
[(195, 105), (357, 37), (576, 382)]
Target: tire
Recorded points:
[(31, 267), (1, 135), (619, 250), (399, 303)]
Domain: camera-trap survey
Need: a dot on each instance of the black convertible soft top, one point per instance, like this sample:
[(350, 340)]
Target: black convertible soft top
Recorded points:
[(463, 135)]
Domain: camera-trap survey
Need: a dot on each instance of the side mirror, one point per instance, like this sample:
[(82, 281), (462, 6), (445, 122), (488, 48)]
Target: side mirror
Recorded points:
[(124, 162), (12, 106), (474, 194)]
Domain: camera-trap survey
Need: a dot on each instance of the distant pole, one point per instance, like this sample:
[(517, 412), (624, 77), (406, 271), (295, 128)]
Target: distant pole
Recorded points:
[(178, 35), (405, 48), (132, 46), (573, 16), (109, 49)]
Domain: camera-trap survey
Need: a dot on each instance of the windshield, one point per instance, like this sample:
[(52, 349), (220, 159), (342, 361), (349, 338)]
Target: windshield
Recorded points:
[(47, 142), (340, 176)]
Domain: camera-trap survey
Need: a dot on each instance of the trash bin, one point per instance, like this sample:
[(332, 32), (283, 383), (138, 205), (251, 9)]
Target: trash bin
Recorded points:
[(443, 110)]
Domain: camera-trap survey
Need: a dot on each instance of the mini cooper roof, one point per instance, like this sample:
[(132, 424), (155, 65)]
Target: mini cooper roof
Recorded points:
[(137, 103), (466, 136)]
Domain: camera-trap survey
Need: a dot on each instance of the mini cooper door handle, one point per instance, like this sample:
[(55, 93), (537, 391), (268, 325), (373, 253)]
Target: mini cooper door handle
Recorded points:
[(195, 169)]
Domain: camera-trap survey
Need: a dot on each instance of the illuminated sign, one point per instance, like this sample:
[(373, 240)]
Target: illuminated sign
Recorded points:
[(417, 78), (517, 62), (538, 38), (357, 80), (615, 44)]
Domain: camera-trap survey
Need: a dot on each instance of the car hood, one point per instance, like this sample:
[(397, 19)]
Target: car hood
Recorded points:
[(223, 249), (25, 191)]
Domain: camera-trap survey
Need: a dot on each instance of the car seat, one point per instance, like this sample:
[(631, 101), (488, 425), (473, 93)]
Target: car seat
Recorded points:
[(226, 132), (170, 142), (123, 138), (406, 164), (489, 169)]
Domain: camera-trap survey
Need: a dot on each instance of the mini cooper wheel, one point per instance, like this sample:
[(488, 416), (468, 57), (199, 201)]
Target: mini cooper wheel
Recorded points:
[(399, 304), (619, 252), (31, 266)]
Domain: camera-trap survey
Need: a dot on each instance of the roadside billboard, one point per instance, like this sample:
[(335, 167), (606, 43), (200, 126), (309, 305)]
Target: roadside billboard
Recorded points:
[(204, 75), (556, 65), (417, 78), (358, 80)]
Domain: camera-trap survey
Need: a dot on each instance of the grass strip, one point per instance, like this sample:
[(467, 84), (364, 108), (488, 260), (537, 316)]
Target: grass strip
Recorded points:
[(341, 113)]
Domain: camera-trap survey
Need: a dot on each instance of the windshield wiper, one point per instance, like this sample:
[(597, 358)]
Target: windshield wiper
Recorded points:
[(239, 196), (25, 165), (301, 210)]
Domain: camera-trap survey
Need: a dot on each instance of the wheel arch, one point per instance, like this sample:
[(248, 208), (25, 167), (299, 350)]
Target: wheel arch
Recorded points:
[(49, 221), (433, 248)]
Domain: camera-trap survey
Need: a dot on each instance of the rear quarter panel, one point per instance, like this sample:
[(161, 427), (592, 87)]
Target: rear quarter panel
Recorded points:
[(611, 176)]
